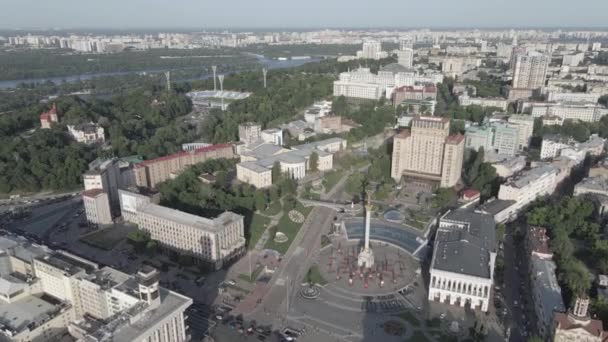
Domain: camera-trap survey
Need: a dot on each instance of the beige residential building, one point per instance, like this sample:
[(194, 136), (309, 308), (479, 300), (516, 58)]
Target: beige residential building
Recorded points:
[(150, 173), (97, 206), (530, 70), (211, 240), (252, 173), (428, 151)]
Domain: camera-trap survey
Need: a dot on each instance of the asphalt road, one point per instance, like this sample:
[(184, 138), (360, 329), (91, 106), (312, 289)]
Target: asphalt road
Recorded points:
[(295, 264), (511, 289)]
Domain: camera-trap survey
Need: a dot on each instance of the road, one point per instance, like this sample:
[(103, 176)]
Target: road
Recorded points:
[(295, 264), (513, 283)]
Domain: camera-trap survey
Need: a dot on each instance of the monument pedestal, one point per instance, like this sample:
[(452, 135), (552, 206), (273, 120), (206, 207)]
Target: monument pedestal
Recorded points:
[(366, 258)]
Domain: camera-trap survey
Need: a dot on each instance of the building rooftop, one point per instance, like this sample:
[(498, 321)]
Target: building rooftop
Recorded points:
[(181, 154), (495, 206), (565, 321), (206, 224), (538, 240), (550, 294), (454, 139), (127, 327), (595, 183), (29, 312), (466, 246), (92, 193), (529, 176)]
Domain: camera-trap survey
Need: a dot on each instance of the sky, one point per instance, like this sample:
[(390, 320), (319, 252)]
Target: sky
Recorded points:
[(201, 14)]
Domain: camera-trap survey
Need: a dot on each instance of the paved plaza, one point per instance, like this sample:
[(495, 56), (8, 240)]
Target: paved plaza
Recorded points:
[(393, 270)]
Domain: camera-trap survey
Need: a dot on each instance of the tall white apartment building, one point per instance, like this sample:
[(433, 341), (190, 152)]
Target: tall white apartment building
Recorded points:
[(371, 49), (211, 240), (46, 294), (464, 254), (529, 185), (405, 57), (530, 70)]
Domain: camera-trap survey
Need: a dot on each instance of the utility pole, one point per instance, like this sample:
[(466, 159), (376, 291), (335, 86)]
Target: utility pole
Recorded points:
[(265, 72), (214, 68), (221, 78), (287, 289), (168, 77)]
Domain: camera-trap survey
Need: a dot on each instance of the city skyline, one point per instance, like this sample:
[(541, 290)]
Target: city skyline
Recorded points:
[(313, 14)]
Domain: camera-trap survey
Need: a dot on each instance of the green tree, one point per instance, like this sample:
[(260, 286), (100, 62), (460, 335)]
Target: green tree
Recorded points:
[(355, 183), (444, 197), (500, 232), (276, 172), (339, 106), (289, 202), (576, 277), (313, 162), (260, 200)]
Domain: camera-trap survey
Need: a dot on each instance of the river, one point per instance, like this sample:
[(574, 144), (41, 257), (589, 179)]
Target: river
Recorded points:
[(264, 61)]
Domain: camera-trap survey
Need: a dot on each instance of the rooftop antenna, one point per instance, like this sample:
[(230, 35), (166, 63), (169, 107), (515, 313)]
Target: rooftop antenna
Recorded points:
[(265, 72), (221, 78), (168, 77), (214, 68)]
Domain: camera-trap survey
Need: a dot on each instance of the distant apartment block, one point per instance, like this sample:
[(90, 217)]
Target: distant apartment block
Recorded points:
[(500, 103), (428, 151), (588, 112), (210, 240), (150, 173), (496, 138), (530, 70)]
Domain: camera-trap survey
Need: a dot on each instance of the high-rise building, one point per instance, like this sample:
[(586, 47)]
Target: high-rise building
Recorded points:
[(405, 57), (428, 151), (371, 49), (249, 132), (530, 70)]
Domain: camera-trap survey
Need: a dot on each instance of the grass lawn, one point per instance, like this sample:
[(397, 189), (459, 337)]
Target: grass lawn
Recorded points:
[(256, 229), (289, 228), (331, 179), (273, 209), (315, 276), (410, 318), (105, 239), (418, 337)]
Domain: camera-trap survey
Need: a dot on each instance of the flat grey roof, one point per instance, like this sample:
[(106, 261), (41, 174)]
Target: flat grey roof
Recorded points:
[(550, 293), (254, 166), (531, 175), (465, 250), (20, 314)]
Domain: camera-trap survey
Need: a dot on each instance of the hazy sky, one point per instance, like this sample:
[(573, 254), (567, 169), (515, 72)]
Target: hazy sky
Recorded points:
[(301, 13)]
